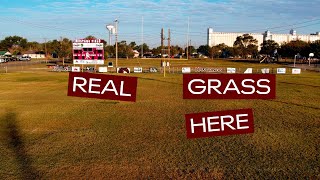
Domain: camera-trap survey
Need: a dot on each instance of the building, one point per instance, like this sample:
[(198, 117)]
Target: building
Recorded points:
[(34, 55), (215, 38), (4, 54)]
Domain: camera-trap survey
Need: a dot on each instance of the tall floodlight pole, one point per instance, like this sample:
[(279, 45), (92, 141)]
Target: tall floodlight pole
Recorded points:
[(116, 33)]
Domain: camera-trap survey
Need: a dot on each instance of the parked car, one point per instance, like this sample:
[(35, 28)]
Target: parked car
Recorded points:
[(24, 58)]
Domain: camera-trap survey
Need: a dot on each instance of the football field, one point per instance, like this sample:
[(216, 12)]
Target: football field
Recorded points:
[(46, 134)]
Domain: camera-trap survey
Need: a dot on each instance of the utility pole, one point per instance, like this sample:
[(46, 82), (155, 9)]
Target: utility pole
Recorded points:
[(116, 21), (61, 50), (142, 38), (162, 38), (169, 39), (188, 41), (45, 48)]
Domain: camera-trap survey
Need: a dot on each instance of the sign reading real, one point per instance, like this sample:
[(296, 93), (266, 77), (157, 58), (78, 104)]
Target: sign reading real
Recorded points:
[(102, 86)]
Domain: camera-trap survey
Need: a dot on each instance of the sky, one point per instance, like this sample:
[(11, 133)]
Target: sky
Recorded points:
[(141, 21)]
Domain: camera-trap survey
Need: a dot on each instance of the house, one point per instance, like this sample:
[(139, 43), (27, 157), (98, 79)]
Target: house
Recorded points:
[(34, 55), (5, 54)]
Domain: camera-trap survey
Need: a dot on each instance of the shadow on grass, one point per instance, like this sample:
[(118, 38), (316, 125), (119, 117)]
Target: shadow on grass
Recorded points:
[(14, 140)]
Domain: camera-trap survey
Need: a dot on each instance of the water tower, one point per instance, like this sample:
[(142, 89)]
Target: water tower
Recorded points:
[(111, 30)]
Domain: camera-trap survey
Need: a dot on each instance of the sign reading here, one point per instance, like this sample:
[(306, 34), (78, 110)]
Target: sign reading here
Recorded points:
[(219, 123), (102, 86)]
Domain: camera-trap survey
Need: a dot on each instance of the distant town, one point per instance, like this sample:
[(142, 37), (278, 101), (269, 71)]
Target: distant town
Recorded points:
[(219, 45)]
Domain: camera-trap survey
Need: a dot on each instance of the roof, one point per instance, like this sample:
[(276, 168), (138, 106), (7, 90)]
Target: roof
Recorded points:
[(2, 53)]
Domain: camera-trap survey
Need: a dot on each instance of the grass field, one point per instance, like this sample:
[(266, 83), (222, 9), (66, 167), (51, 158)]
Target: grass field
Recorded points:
[(46, 134)]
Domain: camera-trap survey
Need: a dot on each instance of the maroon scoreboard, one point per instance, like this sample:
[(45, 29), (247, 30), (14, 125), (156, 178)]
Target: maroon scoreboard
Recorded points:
[(88, 51)]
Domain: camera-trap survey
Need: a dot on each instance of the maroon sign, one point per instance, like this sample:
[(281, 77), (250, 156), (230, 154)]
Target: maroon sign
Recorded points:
[(220, 123), (102, 86), (229, 86)]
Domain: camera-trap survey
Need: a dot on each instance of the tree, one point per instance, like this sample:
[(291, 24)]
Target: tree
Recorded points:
[(191, 50), (176, 50), (133, 45), (109, 51), (242, 43), (268, 47), (156, 50), (13, 42), (34, 46), (124, 50), (145, 48), (204, 49), (90, 37), (62, 48), (294, 47), (315, 48)]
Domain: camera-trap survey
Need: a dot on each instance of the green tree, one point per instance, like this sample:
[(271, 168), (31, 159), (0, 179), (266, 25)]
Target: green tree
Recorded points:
[(156, 51), (109, 51), (90, 37), (242, 44), (13, 42), (63, 47), (294, 47), (176, 50), (34, 46), (268, 47), (204, 49), (145, 48), (133, 45), (315, 48)]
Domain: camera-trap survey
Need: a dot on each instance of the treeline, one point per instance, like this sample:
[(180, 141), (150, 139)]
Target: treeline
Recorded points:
[(245, 46)]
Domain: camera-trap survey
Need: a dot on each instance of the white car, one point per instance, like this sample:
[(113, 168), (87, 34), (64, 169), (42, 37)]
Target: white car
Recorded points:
[(24, 58)]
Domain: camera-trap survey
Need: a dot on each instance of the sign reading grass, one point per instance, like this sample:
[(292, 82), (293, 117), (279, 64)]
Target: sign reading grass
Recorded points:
[(229, 86), (220, 123), (102, 86)]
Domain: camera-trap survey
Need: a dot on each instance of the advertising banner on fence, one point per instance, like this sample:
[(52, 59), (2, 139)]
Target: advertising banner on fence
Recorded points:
[(101, 86), (75, 69), (231, 70), (281, 70), (296, 71), (186, 70), (137, 69), (103, 69), (229, 86), (208, 70), (248, 71), (222, 123), (265, 71)]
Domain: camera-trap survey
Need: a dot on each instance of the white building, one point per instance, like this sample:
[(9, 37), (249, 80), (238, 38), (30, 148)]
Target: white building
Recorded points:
[(34, 55), (215, 38)]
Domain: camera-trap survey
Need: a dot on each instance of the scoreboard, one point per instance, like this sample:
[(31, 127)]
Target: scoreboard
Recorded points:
[(88, 51)]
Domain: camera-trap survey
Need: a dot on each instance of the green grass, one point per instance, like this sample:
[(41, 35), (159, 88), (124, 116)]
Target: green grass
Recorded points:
[(47, 134)]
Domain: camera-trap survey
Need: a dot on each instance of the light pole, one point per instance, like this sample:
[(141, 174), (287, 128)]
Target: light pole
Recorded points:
[(116, 33)]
